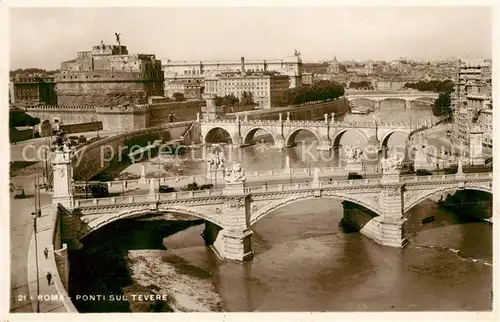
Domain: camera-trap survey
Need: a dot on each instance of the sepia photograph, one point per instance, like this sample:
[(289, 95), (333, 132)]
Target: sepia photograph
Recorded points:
[(248, 158)]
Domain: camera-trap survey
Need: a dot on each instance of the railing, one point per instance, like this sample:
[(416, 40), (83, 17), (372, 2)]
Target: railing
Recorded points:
[(186, 195), (263, 175), (358, 124), (446, 177)]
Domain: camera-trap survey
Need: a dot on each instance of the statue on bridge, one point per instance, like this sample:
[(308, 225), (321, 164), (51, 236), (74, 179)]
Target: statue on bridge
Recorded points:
[(215, 159), (391, 164), (234, 175), (61, 143), (354, 154)]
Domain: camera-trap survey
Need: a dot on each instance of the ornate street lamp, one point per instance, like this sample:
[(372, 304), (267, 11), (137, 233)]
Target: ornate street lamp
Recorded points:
[(34, 215), (215, 161)]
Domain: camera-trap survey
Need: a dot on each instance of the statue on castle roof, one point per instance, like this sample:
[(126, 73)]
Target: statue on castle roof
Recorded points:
[(296, 53), (117, 35)]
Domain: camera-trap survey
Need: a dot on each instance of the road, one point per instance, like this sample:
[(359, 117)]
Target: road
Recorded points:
[(21, 230), (30, 150)]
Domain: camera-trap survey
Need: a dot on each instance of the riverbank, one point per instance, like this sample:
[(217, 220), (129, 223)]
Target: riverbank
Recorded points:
[(135, 267), (187, 287)]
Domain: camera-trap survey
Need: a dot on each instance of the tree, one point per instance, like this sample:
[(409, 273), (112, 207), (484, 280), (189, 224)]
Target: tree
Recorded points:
[(442, 105), (432, 86), (246, 99), (20, 118), (178, 97), (321, 90), (230, 100)]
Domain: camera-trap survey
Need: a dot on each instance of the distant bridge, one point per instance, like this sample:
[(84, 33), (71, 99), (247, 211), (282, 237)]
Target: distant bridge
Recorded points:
[(408, 98), (328, 132)]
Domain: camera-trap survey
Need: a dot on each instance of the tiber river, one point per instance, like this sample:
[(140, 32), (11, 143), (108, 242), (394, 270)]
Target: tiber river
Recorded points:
[(303, 260)]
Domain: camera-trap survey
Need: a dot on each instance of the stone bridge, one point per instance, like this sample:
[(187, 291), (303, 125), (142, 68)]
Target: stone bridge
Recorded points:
[(328, 132), (408, 98), (231, 211)]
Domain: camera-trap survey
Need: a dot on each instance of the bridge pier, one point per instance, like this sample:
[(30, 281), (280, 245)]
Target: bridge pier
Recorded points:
[(234, 241), (279, 143), (390, 224), (408, 104), (324, 145)]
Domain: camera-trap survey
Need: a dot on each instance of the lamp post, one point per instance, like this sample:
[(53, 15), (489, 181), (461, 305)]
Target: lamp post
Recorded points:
[(216, 161), (35, 215)]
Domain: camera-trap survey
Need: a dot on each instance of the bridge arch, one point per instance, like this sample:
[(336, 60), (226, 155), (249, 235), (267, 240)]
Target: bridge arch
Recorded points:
[(411, 201), (338, 136), (269, 208), (212, 131), (352, 99), (290, 139), (248, 137), (387, 136), (400, 99), (424, 98), (94, 225)]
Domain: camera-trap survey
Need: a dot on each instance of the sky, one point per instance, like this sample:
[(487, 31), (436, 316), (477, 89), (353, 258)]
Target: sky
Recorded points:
[(44, 37)]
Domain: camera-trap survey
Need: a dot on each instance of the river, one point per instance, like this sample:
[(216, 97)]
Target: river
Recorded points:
[(303, 260)]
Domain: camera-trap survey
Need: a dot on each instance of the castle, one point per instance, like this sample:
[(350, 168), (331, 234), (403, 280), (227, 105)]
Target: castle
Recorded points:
[(109, 76)]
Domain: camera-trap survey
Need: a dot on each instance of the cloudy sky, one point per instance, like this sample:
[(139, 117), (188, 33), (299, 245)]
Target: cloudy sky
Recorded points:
[(44, 37)]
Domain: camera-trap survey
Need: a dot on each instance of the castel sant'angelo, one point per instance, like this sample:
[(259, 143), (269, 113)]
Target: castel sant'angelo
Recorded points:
[(107, 76)]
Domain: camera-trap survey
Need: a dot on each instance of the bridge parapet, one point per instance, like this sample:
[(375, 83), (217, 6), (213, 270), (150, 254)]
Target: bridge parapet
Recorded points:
[(270, 187), (446, 177), (263, 175), (211, 193)]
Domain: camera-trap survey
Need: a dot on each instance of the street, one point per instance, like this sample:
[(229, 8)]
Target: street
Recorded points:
[(21, 230)]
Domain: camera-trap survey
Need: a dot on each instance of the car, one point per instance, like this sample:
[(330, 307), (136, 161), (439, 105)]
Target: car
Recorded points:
[(191, 187), (166, 189), (423, 172), (99, 190), (451, 170), (354, 176), (206, 186)]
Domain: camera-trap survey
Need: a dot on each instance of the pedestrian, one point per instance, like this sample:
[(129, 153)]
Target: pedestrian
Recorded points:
[(126, 183), (49, 277), (46, 252)]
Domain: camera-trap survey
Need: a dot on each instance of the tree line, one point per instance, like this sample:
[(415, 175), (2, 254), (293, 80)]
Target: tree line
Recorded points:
[(20, 118), (361, 85), (25, 71), (432, 86), (231, 100), (442, 105), (319, 91)]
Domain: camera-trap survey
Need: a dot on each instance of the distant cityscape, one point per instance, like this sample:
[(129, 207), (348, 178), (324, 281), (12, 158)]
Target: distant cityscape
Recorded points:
[(108, 75)]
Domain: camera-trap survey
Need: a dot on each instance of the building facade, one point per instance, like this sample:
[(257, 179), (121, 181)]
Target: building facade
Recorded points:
[(472, 101), (267, 89), (178, 70), (30, 90), (108, 75), (190, 88)]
